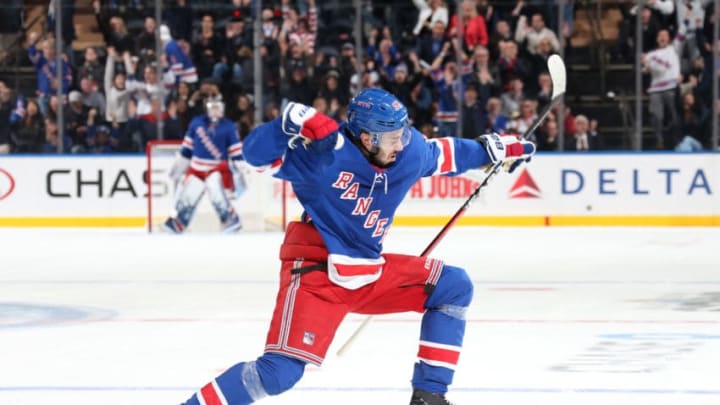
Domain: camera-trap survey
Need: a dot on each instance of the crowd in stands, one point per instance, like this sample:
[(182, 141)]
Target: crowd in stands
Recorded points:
[(494, 79)]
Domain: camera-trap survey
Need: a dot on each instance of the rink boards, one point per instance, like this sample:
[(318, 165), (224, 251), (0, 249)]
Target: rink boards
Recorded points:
[(618, 189)]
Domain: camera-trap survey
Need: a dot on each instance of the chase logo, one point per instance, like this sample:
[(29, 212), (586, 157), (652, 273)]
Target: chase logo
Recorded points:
[(525, 187), (7, 184)]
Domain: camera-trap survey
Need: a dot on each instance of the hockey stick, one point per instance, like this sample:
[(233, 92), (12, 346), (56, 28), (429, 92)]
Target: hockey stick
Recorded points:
[(556, 67)]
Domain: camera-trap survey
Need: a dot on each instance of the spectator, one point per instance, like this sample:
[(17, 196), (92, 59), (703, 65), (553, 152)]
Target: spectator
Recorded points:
[(76, 121), (705, 46), (68, 25), (532, 34), (207, 47), (486, 75), (270, 57), (91, 66), (485, 9), (474, 29), (51, 141), (496, 120), (511, 65), (664, 67), (116, 94), (544, 94), (347, 62), (330, 90), (91, 97), (11, 15), (368, 77), (692, 120), (401, 84), (502, 34), (47, 71), (473, 115), (420, 105), (447, 85), (513, 98), (383, 51), (237, 36), (179, 17), (7, 102), (27, 128), (113, 28), (270, 28), (430, 46), (242, 113), (145, 44), (299, 87), (430, 12), (585, 136), (690, 15), (547, 135), (528, 114), (177, 58), (305, 32), (149, 94), (182, 107)]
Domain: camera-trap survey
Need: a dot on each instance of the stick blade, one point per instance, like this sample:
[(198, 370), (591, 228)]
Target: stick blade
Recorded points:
[(556, 67)]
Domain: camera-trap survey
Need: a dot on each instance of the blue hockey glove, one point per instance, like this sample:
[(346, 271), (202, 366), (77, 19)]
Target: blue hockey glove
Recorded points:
[(508, 149), (303, 122)]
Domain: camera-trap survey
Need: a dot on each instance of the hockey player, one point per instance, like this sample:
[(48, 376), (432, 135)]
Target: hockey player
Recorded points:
[(207, 162), (350, 179)]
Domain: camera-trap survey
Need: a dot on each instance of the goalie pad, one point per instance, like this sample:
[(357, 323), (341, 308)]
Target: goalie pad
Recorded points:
[(187, 197), (221, 203)]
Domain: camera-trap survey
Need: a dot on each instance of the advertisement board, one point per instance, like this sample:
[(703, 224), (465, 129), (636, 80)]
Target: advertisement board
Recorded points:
[(554, 189)]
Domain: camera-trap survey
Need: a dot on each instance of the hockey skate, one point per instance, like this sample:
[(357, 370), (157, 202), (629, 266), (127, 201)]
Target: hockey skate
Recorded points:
[(172, 225), (233, 224), (420, 397)]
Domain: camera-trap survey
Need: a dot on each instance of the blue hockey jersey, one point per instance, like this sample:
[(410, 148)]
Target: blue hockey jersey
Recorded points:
[(180, 63), (208, 144), (350, 201)]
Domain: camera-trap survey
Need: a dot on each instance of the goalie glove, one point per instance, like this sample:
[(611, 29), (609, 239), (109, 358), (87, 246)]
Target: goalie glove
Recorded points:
[(508, 149), (303, 122)]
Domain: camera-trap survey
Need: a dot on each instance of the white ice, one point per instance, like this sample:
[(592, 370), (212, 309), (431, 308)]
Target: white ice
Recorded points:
[(560, 316)]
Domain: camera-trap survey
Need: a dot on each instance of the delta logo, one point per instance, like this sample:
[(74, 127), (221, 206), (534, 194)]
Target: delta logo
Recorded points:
[(525, 187)]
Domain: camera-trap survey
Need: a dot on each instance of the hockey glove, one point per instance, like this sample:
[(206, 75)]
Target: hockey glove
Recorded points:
[(303, 122), (508, 149)]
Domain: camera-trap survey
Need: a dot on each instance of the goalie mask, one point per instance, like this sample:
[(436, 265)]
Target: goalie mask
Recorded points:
[(381, 115), (215, 109)]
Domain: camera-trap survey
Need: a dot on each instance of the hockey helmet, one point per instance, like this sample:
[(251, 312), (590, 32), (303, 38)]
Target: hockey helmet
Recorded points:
[(381, 115), (215, 109)]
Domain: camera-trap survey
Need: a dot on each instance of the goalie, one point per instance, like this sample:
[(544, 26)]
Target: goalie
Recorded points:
[(208, 162)]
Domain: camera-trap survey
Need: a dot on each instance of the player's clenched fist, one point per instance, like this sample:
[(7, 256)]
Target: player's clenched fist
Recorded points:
[(304, 121), (508, 149)]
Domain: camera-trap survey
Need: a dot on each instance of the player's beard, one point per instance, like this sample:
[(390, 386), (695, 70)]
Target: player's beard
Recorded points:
[(374, 154), (377, 156)]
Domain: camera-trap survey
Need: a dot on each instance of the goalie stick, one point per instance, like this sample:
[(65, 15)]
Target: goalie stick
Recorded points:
[(556, 68)]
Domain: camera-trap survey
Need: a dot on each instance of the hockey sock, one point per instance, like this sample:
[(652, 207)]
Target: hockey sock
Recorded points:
[(442, 331)]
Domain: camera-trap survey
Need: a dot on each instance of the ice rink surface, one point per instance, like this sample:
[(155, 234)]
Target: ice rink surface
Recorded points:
[(561, 316)]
